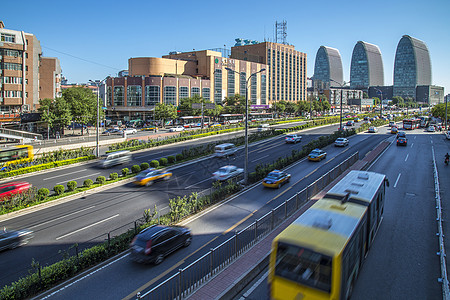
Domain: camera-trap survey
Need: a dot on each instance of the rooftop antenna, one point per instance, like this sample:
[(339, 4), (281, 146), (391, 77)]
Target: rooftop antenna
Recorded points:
[(281, 32)]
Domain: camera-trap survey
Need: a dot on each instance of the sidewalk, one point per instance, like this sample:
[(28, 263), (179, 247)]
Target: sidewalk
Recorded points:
[(228, 283)]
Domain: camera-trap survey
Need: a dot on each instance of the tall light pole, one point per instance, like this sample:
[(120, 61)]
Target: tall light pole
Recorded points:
[(246, 121), (340, 118), (97, 83), (381, 102)]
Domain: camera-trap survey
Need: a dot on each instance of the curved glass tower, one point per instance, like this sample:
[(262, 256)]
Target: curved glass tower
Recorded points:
[(328, 66), (366, 67), (412, 67)]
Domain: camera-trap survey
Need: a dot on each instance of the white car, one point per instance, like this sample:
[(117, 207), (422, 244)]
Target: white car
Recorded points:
[(293, 138), (227, 172), (130, 131), (341, 142), (176, 128), (431, 129)]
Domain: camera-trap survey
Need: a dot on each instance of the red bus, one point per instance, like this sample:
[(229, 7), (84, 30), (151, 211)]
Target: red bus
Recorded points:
[(226, 119), (411, 124)]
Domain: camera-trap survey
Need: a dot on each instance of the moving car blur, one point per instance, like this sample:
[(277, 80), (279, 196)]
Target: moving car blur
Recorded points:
[(13, 188), (10, 239), (227, 172), (149, 176), (276, 179)]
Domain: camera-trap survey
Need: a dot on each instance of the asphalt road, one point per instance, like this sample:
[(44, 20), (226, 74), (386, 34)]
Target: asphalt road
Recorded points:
[(402, 263), (123, 278)]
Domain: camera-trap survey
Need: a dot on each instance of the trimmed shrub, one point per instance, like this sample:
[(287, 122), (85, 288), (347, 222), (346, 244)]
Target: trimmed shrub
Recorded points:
[(88, 183), (125, 171), (179, 157), (171, 159), (59, 189), (154, 164), (71, 186), (163, 161), (135, 169), (145, 166), (42, 193), (113, 176), (100, 180)]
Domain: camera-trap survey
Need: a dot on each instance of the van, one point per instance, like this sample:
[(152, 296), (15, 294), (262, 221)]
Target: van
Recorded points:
[(263, 127), (115, 158), (224, 150)]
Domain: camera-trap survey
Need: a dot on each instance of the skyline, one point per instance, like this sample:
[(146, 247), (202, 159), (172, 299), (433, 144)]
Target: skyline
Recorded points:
[(153, 30)]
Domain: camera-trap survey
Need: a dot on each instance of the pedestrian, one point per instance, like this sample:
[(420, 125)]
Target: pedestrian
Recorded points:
[(35, 138)]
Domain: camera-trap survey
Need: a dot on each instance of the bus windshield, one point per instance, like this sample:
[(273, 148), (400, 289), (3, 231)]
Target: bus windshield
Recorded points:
[(303, 266)]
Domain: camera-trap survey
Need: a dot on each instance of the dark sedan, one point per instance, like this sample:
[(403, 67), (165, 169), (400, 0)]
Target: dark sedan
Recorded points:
[(10, 239), (401, 141)]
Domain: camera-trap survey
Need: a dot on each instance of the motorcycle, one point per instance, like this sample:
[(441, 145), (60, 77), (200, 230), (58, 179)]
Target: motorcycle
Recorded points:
[(446, 161)]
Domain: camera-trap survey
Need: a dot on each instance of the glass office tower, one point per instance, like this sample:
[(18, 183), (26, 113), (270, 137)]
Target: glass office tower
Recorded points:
[(366, 66), (328, 66)]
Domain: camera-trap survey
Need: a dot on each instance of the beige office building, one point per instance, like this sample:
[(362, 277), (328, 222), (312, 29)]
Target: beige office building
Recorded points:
[(286, 68), (176, 76), (20, 55)]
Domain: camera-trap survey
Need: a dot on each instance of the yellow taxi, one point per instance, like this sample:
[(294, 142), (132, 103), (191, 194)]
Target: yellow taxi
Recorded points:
[(147, 177), (394, 130), (276, 179), (317, 155)]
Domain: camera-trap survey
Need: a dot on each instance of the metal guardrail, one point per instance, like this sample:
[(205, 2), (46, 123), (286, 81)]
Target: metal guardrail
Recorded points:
[(190, 278), (444, 278), (21, 133)]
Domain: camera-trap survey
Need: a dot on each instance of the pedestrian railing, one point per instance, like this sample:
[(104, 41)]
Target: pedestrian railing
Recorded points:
[(188, 279)]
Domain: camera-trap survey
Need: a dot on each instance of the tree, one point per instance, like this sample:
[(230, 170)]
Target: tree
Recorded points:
[(165, 112), (376, 100), (279, 106), (326, 105), (82, 103), (438, 111), (397, 100), (365, 95), (55, 112), (291, 107), (235, 104), (303, 106)]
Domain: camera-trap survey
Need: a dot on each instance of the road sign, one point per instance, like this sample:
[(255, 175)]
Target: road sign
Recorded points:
[(196, 106), (205, 106)]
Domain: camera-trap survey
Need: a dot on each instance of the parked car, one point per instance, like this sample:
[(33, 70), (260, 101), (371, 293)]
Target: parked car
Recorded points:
[(227, 172), (112, 131), (402, 141), (176, 128), (154, 243), (10, 239), (317, 155), (293, 138), (263, 127), (350, 123), (341, 142), (13, 188), (130, 130), (276, 179), (447, 135), (150, 175), (372, 129), (431, 129)]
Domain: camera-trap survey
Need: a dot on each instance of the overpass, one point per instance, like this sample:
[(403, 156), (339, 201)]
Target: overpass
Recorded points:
[(17, 135)]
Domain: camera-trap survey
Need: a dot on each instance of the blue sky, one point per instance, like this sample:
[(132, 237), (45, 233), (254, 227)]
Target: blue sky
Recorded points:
[(94, 39)]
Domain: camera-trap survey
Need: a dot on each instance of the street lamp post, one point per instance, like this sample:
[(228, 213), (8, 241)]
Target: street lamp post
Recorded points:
[(246, 122), (340, 118), (381, 101), (97, 136)]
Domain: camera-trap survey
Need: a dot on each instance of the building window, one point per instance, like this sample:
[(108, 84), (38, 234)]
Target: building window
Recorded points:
[(183, 92), (12, 80), (195, 91), (263, 89), (170, 95), (253, 86), (218, 86), (26, 68), (11, 66), (206, 94), (242, 84), (109, 96), (231, 83), (152, 94), (8, 38), (134, 95), (10, 52), (118, 96)]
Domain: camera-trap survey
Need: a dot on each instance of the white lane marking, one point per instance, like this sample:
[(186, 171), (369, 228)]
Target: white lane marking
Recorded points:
[(197, 183), (260, 158), (406, 157), (48, 178), (75, 179), (431, 141), (250, 290), (399, 174), (86, 276), (65, 216), (89, 226), (412, 145)]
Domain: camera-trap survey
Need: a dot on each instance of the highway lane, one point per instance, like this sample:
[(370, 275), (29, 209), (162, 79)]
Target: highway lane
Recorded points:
[(402, 263), (211, 229)]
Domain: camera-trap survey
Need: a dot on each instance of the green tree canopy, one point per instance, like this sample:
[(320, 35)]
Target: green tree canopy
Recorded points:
[(82, 103), (165, 112), (234, 104), (438, 111)]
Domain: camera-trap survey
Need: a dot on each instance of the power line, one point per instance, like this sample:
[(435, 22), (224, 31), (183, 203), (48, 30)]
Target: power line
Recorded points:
[(89, 61)]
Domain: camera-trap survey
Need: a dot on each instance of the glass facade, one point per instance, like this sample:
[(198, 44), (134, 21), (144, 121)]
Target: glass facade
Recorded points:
[(253, 84), (412, 67), (231, 83), (242, 84), (183, 92), (263, 89), (366, 66), (206, 94), (328, 65), (218, 86), (170, 95), (118, 95), (152, 94), (195, 91), (134, 95), (109, 98)]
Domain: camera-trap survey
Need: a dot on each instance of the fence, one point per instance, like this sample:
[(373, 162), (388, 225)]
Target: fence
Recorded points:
[(188, 279)]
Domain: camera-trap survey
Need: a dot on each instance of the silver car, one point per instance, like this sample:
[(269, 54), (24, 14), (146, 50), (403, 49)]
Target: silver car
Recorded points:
[(227, 172), (341, 142), (10, 239)]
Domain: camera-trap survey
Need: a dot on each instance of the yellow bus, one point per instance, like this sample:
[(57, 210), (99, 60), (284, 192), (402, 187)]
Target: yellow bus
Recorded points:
[(14, 154), (320, 254)]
